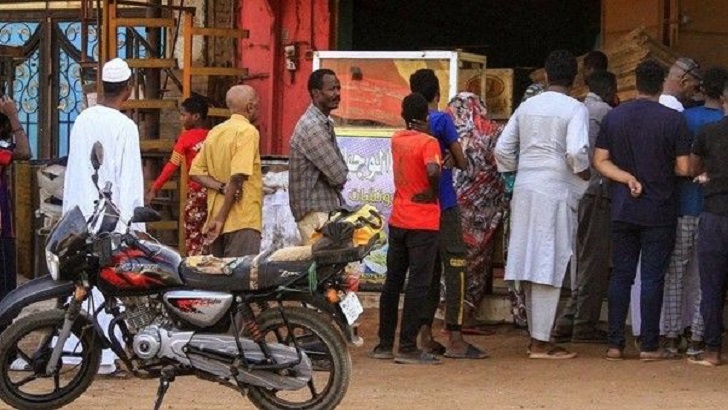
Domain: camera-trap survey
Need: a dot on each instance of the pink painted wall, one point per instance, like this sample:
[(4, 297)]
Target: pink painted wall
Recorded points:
[(284, 97)]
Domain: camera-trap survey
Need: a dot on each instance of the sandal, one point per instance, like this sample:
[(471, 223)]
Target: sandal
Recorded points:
[(435, 348), (471, 352), (555, 353), (702, 361), (658, 355), (614, 354)]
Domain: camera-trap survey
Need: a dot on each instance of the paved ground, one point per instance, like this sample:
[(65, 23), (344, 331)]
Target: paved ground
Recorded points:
[(508, 380)]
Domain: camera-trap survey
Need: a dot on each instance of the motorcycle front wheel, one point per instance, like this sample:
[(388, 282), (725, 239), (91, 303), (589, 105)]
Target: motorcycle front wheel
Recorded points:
[(25, 350), (322, 342)]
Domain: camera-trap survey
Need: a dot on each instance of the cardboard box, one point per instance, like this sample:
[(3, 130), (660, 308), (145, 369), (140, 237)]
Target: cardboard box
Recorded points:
[(504, 88)]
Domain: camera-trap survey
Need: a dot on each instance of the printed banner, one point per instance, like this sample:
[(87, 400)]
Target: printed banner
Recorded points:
[(368, 154)]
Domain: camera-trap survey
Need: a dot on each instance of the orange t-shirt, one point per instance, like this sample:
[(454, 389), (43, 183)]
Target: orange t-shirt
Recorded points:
[(412, 151)]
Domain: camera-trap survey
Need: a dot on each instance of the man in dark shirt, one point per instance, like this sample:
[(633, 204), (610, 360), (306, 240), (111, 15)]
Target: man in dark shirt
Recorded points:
[(317, 170), (642, 146), (709, 155)]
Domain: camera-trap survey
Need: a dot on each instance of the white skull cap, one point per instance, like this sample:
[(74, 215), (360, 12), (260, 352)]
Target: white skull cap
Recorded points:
[(115, 71)]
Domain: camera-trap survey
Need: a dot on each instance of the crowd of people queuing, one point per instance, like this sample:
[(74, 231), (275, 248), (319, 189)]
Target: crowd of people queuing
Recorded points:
[(624, 196), (644, 181)]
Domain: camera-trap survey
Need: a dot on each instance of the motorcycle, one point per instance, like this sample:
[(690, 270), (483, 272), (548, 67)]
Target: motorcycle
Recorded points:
[(272, 328)]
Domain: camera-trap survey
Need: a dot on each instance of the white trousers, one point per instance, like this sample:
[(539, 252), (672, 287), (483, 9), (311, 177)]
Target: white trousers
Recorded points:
[(542, 302)]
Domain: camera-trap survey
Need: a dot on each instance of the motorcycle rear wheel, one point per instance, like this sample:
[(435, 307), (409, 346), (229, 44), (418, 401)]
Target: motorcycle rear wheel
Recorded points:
[(20, 342), (319, 337)]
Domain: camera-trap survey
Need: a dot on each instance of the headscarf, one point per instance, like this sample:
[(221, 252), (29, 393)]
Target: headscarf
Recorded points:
[(479, 187)]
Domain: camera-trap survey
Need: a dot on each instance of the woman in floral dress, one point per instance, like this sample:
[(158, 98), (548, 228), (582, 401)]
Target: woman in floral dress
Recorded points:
[(480, 191)]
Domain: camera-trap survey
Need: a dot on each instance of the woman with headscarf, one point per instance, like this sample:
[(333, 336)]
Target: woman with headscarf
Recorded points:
[(480, 192)]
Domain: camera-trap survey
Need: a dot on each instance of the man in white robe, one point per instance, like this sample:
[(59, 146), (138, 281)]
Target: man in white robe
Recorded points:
[(546, 141), (122, 167)]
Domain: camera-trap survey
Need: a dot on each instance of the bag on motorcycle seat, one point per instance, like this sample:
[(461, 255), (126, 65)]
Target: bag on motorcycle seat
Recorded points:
[(248, 273), (348, 235), (292, 254)]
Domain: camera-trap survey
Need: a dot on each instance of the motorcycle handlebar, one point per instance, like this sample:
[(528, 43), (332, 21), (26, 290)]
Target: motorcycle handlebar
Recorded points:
[(133, 241)]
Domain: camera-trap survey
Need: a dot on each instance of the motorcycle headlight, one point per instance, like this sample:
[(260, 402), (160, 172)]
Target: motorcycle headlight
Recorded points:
[(53, 264)]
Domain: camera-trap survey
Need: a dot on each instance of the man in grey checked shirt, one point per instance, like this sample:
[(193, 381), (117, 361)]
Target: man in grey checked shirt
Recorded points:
[(317, 170)]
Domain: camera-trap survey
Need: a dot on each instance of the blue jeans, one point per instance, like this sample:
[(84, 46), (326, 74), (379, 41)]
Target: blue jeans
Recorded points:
[(655, 243), (713, 263)]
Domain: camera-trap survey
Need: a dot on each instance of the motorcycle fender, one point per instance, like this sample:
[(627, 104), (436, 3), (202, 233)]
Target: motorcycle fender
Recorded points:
[(37, 290), (320, 302)]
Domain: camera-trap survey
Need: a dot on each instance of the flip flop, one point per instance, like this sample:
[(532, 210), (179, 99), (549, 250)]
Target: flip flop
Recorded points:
[(437, 349), (555, 353), (478, 331), (471, 352), (700, 361), (659, 355), (472, 331), (614, 355)]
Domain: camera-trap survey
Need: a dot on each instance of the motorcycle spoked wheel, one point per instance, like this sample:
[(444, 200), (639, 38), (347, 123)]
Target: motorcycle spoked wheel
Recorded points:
[(322, 342), (31, 339)]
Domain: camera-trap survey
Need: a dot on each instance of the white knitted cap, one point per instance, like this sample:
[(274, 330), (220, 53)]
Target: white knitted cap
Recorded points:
[(115, 71)]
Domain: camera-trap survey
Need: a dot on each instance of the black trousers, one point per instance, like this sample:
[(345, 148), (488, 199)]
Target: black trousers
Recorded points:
[(8, 268), (412, 250), (713, 261), (451, 260)]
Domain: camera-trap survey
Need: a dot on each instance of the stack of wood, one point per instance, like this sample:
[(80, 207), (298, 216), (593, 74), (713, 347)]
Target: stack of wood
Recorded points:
[(635, 47)]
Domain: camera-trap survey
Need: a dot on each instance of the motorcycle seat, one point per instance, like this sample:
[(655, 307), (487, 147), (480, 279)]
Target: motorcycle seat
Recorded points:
[(248, 273)]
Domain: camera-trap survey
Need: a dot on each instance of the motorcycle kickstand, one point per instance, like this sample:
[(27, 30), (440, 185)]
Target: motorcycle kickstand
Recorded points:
[(165, 379)]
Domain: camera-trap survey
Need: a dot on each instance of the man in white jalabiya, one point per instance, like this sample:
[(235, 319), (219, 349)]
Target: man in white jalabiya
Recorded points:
[(546, 141), (122, 166)]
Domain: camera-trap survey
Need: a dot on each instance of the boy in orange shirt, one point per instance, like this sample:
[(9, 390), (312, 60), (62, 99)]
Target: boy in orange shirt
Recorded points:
[(413, 234), (193, 115)]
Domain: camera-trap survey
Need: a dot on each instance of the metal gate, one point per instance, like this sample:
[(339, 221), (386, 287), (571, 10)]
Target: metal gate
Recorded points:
[(48, 84)]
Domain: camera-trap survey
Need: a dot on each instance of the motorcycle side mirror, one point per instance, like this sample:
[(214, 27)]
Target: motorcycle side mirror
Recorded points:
[(97, 155), (143, 214)]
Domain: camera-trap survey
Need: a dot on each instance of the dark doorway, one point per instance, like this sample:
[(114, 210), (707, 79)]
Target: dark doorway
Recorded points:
[(511, 33)]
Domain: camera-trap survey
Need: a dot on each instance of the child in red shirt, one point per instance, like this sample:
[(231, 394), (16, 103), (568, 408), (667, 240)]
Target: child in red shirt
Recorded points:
[(413, 234), (193, 115)]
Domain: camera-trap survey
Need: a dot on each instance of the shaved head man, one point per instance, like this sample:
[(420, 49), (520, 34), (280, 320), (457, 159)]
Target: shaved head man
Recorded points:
[(228, 165), (243, 100)]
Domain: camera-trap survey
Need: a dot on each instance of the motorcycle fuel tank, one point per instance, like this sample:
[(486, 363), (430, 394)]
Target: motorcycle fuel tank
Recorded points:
[(201, 308), (133, 272)]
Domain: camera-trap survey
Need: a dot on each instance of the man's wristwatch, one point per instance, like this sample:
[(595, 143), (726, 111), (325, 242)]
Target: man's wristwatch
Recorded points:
[(221, 189)]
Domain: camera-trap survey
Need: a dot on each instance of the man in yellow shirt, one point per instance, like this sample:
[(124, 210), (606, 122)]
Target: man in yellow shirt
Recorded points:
[(228, 165)]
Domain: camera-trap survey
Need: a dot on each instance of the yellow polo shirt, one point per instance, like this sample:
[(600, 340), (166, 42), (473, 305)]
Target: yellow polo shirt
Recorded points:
[(233, 148)]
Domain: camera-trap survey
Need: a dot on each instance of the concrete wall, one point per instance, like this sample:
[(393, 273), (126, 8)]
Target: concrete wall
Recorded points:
[(284, 96)]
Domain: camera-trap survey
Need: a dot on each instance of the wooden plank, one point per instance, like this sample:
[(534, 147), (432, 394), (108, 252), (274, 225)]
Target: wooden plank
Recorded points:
[(220, 32), (187, 39), (149, 104), (221, 71), (218, 112), (151, 62), (163, 144), (23, 208), (168, 186), (162, 225), (182, 184), (144, 22)]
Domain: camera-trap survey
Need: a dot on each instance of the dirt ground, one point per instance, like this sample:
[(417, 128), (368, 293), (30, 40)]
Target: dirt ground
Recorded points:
[(507, 380)]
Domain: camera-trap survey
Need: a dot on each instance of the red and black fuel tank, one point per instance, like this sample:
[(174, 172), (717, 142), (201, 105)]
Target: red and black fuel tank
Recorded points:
[(133, 273)]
